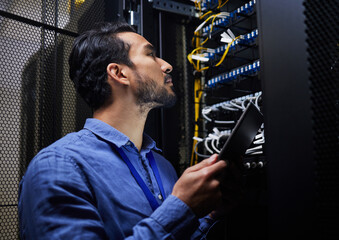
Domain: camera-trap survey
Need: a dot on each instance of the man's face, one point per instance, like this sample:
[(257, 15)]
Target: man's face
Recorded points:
[(152, 84)]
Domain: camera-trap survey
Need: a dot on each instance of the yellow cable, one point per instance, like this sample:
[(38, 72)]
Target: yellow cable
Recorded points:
[(212, 16), (197, 87), (192, 62), (209, 12), (198, 48), (189, 56), (220, 6), (204, 41), (196, 66), (226, 51), (213, 22), (196, 113), (199, 7), (203, 69)]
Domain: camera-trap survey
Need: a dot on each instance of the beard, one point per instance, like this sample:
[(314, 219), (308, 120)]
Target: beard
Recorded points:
[(151, 94)]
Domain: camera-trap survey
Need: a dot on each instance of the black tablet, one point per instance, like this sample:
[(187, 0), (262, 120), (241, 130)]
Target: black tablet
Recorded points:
[(242, 134)]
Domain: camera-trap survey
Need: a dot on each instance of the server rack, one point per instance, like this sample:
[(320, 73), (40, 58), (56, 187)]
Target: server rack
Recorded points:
[(229, 52), (296, 194), (300, 75)]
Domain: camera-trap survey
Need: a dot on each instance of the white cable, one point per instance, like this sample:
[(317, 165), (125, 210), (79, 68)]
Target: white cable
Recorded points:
[(251, 96), (213, 146), (215, 121), (227, 107), (224, 122), (257, 100), (199, 27), (216, 131), (198, 139), (243, 103), (206, 145), (200, 57), (199, 154), (218, 15), (253, 149), (236, 105), (212, 136), (230, 33), (256, 153), (260, 141), (248, 99), (225, 38), (207, 118), (260, 135)]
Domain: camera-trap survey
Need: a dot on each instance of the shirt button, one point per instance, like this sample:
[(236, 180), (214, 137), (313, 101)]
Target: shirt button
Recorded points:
[(159, 196)]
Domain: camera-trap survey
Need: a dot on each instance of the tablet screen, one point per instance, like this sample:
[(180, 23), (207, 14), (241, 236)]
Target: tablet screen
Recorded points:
[(243, 133)]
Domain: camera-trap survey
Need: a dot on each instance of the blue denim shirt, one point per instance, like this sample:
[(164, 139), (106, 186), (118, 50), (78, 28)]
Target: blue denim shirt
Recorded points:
[(80, 188)]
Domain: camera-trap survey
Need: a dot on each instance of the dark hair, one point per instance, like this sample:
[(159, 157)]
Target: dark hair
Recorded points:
[(91, 53)]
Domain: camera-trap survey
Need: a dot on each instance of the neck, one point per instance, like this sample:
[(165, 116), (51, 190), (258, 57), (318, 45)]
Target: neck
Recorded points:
[(128, 119)]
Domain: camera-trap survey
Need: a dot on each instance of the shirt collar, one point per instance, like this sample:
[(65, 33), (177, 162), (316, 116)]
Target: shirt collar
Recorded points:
[(110, 134)]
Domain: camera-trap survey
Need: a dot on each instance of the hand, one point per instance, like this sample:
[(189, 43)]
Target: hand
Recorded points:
[(231, 188), (199, 185)]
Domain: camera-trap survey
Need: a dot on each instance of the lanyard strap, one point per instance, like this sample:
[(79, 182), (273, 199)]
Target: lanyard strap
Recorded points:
[(151, 199), (154, 167)]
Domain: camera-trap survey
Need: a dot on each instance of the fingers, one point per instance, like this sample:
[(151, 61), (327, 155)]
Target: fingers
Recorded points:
[(216, 168), (211, 160), (210, 167)]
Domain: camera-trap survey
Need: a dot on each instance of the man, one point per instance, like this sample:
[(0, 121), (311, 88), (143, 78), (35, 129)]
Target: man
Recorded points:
[(105, 181)]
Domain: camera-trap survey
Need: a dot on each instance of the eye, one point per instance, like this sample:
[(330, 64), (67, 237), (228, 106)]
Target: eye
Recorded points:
[(152, 54)]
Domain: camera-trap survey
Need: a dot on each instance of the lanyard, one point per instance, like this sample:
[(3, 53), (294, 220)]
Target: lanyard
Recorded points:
[(151, 199)]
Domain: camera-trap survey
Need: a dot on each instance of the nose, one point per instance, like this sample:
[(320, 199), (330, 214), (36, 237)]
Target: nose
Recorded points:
[(165, 66)]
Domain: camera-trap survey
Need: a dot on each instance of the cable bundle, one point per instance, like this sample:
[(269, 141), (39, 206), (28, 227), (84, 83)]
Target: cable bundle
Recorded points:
[(216, 139)]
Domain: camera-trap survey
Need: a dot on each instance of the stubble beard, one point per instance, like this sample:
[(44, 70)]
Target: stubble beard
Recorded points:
[(152, 95)]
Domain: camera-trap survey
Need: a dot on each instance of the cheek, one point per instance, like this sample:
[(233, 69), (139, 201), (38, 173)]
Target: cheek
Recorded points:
[(153, 73), (148, 68)]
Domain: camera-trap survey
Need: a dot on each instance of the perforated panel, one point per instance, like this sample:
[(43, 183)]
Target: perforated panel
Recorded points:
[(38, 102), (322, 20)]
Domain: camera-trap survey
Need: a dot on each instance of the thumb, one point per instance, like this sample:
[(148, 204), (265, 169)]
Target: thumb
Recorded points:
[(206, 162)]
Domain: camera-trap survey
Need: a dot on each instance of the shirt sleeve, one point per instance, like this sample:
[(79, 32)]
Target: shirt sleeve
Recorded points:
[(55, 202), (206, 223)]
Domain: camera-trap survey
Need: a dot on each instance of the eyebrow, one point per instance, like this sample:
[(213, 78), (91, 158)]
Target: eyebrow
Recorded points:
[(150, 47)]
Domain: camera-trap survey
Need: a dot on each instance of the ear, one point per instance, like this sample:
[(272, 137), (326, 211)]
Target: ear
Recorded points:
[(118, 73)]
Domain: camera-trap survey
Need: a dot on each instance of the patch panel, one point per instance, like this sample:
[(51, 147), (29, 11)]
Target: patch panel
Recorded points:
[(239, 99), (245, 9), (233, 74), (245, 39), (244, 70), (208, 4), (220, 105), (234, 15)]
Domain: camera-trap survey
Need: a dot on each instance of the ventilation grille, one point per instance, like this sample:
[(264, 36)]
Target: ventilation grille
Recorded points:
[(37, 99), (322, 28)]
